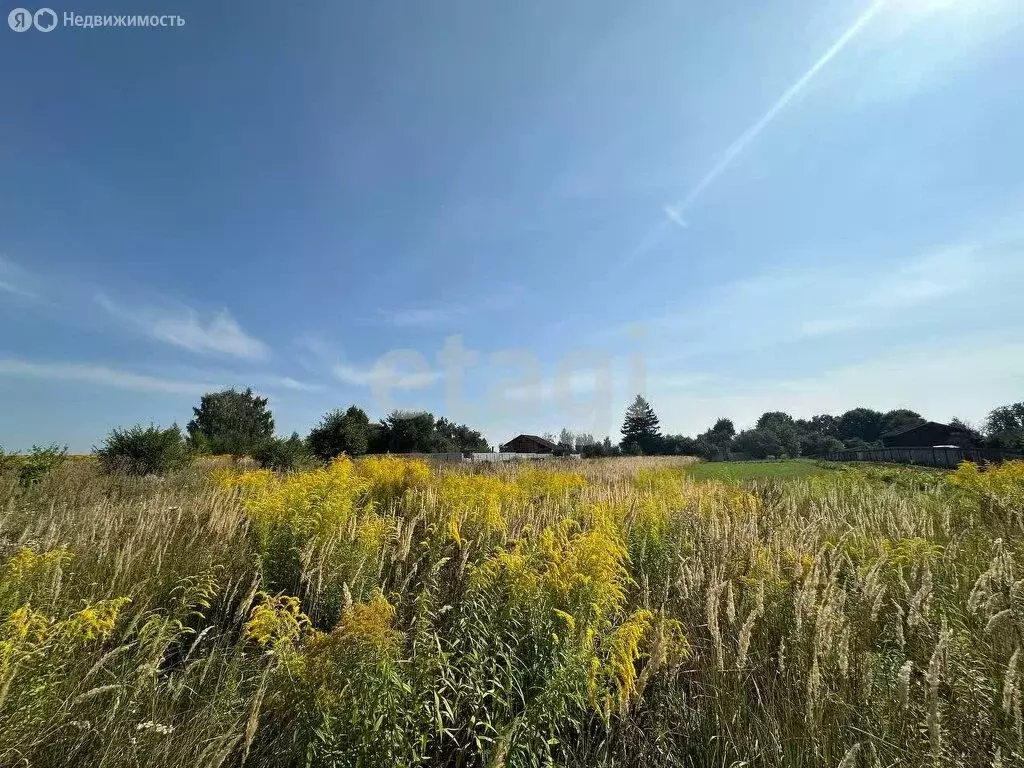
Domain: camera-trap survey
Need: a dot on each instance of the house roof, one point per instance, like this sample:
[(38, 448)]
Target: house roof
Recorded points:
[(540, 440), (904, 430)]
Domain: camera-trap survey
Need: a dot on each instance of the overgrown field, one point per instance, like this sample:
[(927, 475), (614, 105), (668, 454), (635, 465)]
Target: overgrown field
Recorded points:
[(757, 470), (616, 612)]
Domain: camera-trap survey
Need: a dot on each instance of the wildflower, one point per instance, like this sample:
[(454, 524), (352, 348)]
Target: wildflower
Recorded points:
[(149, 725), (370, 625), (94, 621), (25, 624), (277, 623)]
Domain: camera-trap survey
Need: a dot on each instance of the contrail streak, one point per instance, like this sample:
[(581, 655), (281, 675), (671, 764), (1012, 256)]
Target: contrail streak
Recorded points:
[(674, 212)]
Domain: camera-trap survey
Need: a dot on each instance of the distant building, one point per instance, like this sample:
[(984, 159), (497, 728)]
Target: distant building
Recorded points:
[(925, 435), (529, 444)]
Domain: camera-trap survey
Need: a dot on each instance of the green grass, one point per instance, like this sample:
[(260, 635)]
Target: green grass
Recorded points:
[(787, 469)]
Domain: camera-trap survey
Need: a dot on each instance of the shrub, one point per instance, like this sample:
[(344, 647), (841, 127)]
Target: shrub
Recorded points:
[(142, 450), (34, 466), (758, 443), (284, 454), (815, 444)]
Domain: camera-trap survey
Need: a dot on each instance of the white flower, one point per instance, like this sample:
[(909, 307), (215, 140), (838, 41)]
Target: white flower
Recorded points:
[(149, 725)]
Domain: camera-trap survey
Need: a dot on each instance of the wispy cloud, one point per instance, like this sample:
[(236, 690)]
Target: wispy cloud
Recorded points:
[(287, 382), (451, 312), (12, 288), (963, 376), (217, 333), (870, 300), (14, 279), (384, 374), (858, 295), (101, 375), (573, 384), (266, 381), (420, 317), (182, 381)]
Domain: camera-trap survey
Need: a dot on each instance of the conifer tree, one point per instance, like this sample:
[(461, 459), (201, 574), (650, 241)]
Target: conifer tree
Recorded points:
[(641, 432)]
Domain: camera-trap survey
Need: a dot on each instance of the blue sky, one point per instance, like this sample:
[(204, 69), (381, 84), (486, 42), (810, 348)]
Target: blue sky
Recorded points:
[(514, 214)]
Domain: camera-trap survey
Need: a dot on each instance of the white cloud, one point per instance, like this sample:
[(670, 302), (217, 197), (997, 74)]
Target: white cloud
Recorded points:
[(865, 300), (179, 380), (419, 317), (185, 327), (12, 288), (451, 312), (13, 279), (384, 374), (287, 382), (965, 377), (790, 306), (97, 374), (576, 383)]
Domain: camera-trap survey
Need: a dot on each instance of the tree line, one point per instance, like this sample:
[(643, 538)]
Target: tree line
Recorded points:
[(778, 434), (240, 423)]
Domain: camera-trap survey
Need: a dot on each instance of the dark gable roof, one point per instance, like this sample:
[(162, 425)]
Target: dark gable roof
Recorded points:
[(905, 430), (540, 440)]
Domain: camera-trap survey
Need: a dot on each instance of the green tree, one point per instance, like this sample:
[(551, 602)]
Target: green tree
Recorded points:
[(231, 422), (784, 428), (641, 433), (813, 444), (723, 431), (285, 454), (1004, 427), (679, 445), (458, 437), (340, 432), (775, 420), (410, 432), (584, 440), (964, 435), (824, 424), (758, 443), (901, 418), (862, 423)]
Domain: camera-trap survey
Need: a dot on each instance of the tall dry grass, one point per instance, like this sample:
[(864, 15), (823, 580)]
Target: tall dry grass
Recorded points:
[(609, 612)]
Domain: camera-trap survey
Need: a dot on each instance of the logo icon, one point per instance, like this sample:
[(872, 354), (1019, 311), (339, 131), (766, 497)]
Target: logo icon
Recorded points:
[(45, 19), (19, 20)]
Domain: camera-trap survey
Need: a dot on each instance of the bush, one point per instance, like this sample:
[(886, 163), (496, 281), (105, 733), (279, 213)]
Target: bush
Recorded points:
[(814, 444), (34, 466), (284, 454), (758, 443), (142, 450)]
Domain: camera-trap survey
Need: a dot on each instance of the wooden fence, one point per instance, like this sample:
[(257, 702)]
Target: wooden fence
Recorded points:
[(925, 457)]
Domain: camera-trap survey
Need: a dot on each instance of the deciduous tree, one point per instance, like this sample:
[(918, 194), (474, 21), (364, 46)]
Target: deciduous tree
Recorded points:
[(231, 422)]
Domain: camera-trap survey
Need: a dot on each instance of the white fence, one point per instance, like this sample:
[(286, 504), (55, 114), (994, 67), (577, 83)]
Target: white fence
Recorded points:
[(509, 456), (460, 457)]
